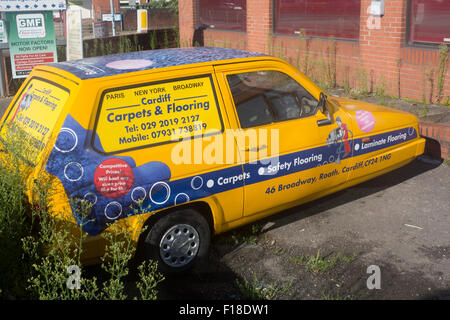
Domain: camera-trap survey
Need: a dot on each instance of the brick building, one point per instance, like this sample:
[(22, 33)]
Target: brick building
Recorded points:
[(398, 51), (100, 7)]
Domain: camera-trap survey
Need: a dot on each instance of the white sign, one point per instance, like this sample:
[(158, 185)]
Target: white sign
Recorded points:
[(377, 8), (32, 5), (3, 34), (30, 26), (107, 17), (74, 34)]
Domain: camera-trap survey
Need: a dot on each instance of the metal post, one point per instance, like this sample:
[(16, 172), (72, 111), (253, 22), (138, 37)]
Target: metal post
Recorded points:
[(2, 77), (2, 71), (113, 20)]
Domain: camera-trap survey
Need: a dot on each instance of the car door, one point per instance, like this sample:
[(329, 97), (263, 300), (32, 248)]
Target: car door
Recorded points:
[(285, 151)]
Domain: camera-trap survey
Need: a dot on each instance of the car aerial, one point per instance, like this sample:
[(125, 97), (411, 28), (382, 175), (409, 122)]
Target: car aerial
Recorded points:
[(192, 142)]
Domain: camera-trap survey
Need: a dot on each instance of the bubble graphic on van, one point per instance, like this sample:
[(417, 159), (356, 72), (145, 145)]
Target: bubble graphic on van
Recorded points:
[(113, 210), (197, 182), (159, 192), (67, 140), (73, 171), (181, 198), (90, 197), (138, 194)]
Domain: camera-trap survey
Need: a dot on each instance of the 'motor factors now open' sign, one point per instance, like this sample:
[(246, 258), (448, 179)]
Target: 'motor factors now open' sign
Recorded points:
[(31, 41), (32, 5)]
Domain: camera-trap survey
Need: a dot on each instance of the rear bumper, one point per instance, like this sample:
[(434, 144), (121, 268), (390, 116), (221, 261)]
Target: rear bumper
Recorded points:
[(420, 146)]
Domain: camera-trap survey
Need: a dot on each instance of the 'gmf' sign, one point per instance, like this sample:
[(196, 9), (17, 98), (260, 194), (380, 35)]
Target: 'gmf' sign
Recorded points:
[(31, 41), (30, 26)]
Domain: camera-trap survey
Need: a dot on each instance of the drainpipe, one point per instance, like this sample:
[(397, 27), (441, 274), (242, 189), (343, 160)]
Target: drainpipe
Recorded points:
[(113, 20)]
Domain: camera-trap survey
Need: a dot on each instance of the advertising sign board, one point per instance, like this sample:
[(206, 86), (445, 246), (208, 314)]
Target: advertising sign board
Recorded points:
[(31, 41), (3, 35)]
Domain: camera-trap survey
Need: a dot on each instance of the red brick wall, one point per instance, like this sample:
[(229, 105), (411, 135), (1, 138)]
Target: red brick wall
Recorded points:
[(381, 51), (187, 21), (380, 42), (417, 67), (259, 24), (103, 6), (441, 134)]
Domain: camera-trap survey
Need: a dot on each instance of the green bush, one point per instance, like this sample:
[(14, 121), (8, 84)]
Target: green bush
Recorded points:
[(14, 225), (41, 255)]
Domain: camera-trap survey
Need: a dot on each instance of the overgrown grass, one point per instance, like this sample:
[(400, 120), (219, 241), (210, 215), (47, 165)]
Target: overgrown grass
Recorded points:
[(318, 263), (14, 225), (330, 296), (42, 254)]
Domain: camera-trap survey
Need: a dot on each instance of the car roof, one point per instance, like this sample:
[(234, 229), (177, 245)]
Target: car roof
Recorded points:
[(98, 67)]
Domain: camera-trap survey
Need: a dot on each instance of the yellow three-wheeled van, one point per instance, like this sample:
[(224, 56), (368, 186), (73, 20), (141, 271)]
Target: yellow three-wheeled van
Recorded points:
[(200, 140)]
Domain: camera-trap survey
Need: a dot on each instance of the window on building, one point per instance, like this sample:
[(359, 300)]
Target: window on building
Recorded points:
[(323, 18), (223, 14), (430, 21)]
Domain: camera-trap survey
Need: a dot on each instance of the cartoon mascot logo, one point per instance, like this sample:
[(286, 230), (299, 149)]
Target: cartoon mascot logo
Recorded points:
[(340, 137)]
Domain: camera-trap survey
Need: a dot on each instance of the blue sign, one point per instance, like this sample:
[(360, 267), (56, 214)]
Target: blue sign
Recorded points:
[(32, 5)]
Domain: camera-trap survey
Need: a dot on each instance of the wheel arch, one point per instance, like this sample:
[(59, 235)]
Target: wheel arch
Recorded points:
[(202, 207)]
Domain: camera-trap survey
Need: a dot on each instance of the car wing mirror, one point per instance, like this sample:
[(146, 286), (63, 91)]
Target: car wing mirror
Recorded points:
[(322, 106)]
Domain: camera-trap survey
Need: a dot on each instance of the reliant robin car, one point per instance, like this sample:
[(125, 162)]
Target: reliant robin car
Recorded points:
[(200, 140)]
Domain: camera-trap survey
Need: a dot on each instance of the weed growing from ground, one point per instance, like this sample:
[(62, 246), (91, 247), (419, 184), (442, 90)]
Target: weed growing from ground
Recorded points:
[(14, 224), (331, 63), (329, 296), (443, 65), (257, 290), (380, 90), (249, 235), (318, 263)]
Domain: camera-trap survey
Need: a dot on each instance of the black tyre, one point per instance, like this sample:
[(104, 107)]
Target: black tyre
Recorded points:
[(177, 241)]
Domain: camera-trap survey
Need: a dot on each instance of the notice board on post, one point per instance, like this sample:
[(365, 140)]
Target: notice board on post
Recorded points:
[(31, 41)]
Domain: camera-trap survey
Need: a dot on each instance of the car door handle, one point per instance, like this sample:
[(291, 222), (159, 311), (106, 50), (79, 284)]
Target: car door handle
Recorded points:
[(256, 149), (324, 122)]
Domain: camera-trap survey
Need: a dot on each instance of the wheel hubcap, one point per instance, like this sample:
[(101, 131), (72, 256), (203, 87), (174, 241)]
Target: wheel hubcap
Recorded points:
[(179, 245)]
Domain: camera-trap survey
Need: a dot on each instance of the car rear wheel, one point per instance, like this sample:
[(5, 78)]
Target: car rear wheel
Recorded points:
[(178, 241)]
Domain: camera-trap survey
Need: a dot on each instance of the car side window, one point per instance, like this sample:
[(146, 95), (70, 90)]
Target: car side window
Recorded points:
[(263, 97)]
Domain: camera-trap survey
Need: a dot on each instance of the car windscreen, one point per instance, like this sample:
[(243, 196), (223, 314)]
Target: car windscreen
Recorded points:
[(30, 122)]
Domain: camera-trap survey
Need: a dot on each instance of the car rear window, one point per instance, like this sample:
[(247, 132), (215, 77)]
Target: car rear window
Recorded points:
[(156, 113), (34, 115)]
